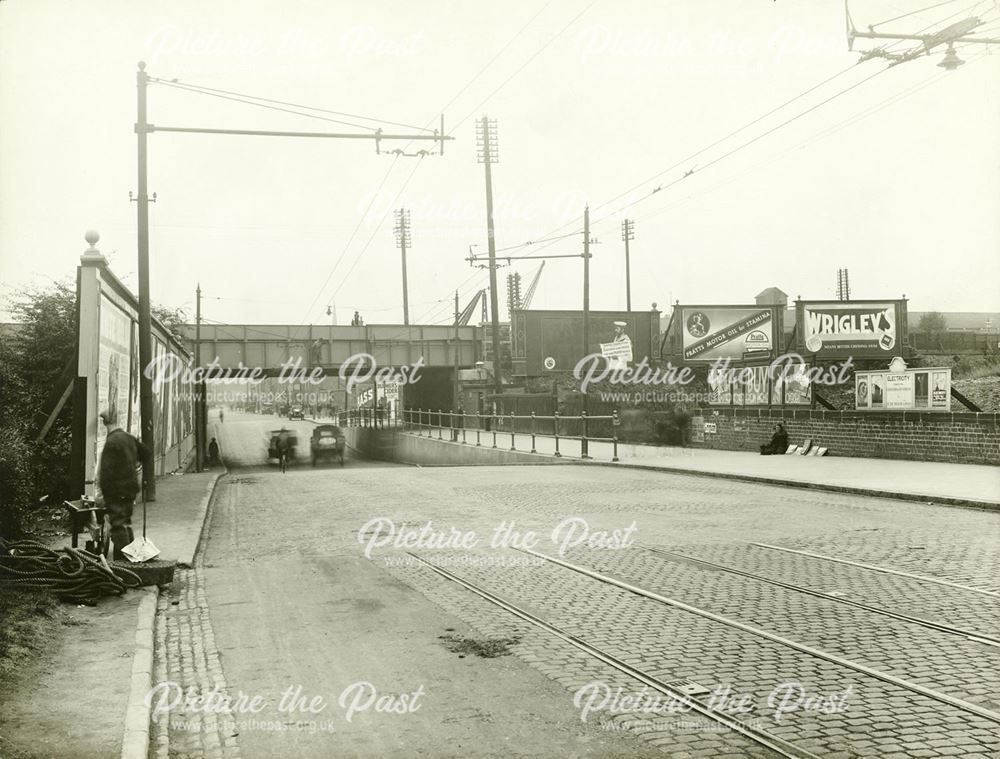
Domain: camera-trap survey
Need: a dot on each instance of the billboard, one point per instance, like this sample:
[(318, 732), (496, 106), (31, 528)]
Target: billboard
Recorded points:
[(551, 342), (758, 386), (910, 389), (857, 328), (711, 333)]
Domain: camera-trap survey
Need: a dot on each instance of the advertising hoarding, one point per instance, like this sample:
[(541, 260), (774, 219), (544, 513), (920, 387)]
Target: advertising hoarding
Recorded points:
[(710, 333), (759, 386), (911, 389), (857, 328), (551, 342)]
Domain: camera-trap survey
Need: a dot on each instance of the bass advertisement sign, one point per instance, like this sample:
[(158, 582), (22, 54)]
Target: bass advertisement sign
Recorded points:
[(860, 329), (710, 333)]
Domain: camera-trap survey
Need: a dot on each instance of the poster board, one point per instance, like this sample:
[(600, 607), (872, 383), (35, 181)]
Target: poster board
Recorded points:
[(858, 328), (710, 333), (924, 389)]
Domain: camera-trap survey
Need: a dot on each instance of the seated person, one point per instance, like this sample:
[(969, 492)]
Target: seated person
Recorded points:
[(778, 444)]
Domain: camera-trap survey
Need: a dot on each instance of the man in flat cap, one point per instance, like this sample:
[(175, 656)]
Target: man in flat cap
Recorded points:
[(118, 479), (623, 353)]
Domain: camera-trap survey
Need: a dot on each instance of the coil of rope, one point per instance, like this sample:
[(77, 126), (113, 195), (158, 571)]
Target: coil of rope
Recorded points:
[(72, 575)]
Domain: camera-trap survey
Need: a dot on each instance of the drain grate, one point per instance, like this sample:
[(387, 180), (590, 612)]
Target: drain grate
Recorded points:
[(689, 687), (244, 481)]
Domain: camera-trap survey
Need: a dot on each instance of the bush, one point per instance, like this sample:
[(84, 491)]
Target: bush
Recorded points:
[(32, 358)]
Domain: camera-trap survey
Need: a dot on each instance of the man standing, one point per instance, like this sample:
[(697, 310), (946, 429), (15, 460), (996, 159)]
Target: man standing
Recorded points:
[(623, 348), (118, 480)]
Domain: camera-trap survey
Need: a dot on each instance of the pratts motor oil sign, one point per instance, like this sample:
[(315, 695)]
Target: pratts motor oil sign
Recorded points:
[(709, 333), (829, 329)]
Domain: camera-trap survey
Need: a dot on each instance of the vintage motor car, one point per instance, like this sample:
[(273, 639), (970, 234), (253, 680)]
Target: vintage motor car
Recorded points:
[(327, 442), (296, 413)]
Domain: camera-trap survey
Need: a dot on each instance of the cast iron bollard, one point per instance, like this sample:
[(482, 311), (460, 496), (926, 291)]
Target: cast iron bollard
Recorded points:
[(584, 448), (555, 430), (513, 447), (533, 432), (615, 421)]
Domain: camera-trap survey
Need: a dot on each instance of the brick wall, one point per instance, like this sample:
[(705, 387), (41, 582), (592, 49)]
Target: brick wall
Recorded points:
[(965, 438)]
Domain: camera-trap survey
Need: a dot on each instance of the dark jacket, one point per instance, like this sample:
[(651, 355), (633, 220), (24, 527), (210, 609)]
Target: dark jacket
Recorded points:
[(779, 441), (121, 455)]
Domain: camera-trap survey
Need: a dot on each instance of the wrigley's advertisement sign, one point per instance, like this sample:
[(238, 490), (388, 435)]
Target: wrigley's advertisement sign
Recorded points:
[(835, 329)]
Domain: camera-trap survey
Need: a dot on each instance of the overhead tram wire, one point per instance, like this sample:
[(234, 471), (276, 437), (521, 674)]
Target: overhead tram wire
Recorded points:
[(760, 118), (266, 106), (525, 64), (687, 159), (913, 13), (808, 141), (378, 227), (449, 103), (503, 84), (743, 146), (347, 245), (249, 98)]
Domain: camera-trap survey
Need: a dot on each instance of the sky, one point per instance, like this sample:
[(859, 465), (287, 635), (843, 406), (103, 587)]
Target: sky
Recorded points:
[(891, 172)]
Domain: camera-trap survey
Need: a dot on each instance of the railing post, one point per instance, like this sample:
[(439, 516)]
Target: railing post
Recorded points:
[(493, 426), (454, 429), (513, 447), (615, 421), (584, 443), (479, 426), (439, 424), (533, 432), (462, 415), (555, 429)]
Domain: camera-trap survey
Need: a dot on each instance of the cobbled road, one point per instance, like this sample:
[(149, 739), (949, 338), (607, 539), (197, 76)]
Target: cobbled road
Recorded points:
[(306, 581)]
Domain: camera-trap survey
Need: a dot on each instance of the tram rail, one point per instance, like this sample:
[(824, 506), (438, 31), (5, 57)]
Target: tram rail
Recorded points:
[(977, 637), (764, 738)]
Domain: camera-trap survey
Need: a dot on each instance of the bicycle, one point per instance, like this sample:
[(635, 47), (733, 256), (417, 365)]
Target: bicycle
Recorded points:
[(283, 460)]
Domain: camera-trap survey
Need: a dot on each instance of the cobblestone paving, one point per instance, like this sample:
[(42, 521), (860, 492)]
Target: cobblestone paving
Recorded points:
[(186, 658), (971, 611), (710, 519), (974, 562), (881, 719), (937, 660), (681, 736)]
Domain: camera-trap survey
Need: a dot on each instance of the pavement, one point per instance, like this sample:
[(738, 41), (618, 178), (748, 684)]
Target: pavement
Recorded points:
[(176, 520), (957, 484)]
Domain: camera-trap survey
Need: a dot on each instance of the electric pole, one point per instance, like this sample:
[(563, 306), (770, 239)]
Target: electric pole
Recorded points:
[(488, 154), (458, 401), (586, 286), (403, 240), (199, 433), (628, 233), (145, 322)]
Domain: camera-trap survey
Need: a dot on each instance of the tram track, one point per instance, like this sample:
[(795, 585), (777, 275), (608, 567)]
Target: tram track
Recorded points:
[(761, 737), (964, 716), (976, 637), (876, 568), (957, 703)]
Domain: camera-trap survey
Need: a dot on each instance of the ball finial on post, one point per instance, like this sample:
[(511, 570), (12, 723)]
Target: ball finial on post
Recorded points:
[(92, 255)]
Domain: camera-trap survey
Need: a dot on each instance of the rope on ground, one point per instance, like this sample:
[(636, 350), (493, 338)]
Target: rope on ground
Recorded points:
[(72, 575)]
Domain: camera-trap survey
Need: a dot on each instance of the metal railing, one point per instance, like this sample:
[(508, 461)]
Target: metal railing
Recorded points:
[(460, 426)]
